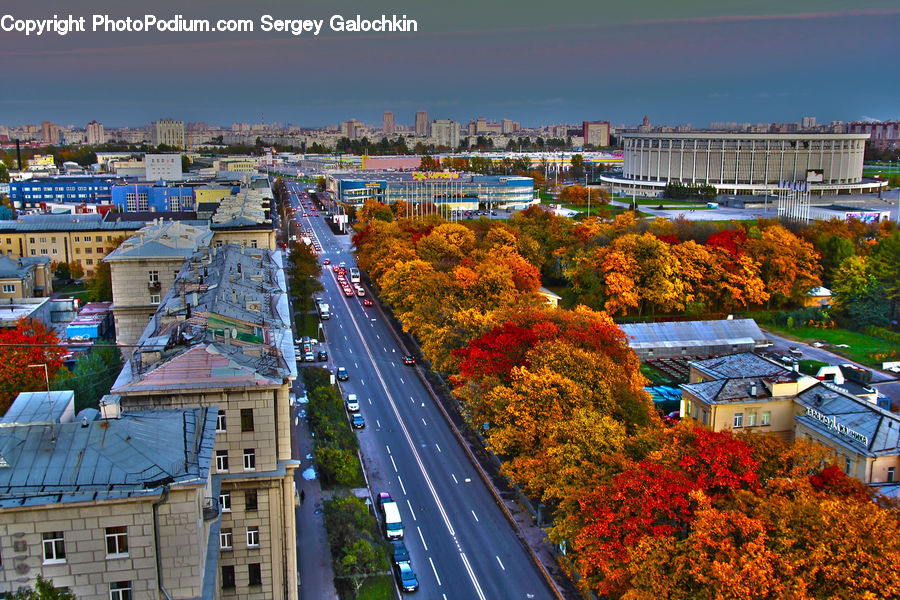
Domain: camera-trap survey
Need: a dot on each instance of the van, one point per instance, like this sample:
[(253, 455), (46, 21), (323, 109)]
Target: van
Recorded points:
[(393, 526)]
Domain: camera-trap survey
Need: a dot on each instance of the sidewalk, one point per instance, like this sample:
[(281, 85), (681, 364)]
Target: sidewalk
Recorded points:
[(316, 578)]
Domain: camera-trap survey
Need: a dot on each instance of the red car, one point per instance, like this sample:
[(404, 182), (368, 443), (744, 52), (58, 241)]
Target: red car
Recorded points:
[(336, 269), (327, 261), (348, 292), (368, 302)]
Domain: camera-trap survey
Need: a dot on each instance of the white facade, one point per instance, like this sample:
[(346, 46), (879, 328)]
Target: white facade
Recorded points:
[(445, 132), (163, 167), (95, 134), (170, 133)]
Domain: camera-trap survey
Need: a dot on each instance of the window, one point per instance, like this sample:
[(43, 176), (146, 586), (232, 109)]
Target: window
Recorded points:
[(890, 475), (751, 419), (227, 577), (89, 261), (220, 421), (250, 500), (246, 419), (766, 416), (120, 590), (226, 539), (9, 288), (249, 459), (847, 465), (88, 251), (116, 541), (52, 240), (142, 202), (54, 547), (32, 251), (253, 537), (704, 416), (253, 244), (31, 240), (77, 238), (154, 276), (154, 298), (222, 460), (44, 251), (254, 570), (738, 420), (99, 250), (130, 204), (225, 501)]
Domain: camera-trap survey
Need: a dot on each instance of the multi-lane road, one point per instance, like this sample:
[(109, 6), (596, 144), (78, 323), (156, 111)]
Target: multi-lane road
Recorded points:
[(460, 541)]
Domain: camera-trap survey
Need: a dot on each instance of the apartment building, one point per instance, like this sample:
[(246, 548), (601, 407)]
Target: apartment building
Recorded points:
[(168, 132), (221, 337), (27, 277), (144, 267), (121, 507), (244, 218)]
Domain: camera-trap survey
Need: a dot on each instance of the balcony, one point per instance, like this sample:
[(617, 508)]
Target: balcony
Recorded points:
[(210, 509), (153, 286)]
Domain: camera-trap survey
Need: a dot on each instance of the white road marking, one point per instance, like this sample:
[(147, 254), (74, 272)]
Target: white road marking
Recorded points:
[(370, 401), (378, 423), (388, 448), (421, 537), (423, 422), (454, 478), (476, 517), (438, 447), (411, 511), (393, 463), (501, 564), (401, 380), (402, 487), (472, 575), (435, 571)]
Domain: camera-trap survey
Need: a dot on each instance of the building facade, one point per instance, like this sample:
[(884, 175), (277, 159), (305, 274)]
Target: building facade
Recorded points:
[(445, 133), (72, 189), (152, 197), (422, 123), (387, 122), (744, 163), (168, 132), (144, 267), (94, 134), (595, 133), (121, 507), (163, 167), (222, 338), (28, 277)]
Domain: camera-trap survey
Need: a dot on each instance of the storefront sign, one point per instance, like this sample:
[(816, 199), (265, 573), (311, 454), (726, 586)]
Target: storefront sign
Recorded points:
[(423, 175), (831, 423)]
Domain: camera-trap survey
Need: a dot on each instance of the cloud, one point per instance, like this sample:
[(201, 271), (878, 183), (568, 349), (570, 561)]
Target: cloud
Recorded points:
[(771, 17)]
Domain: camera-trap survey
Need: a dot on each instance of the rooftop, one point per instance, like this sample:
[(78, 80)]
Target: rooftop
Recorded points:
[(725, 391), (744, 364), (162, 239), (248, 208), (693, 333), (37, 407), (18, 268), (105, 459)]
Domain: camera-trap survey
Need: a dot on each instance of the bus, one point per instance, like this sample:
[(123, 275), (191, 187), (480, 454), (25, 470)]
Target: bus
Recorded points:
[(354, 275)]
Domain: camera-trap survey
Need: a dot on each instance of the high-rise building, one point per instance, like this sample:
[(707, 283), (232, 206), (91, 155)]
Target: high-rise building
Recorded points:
[(508, 126), (168, 132), (596, 133), (422, 123), (49, 133), (95, 134), (387, 122), (351, 128), (445, 133), (809, 122)]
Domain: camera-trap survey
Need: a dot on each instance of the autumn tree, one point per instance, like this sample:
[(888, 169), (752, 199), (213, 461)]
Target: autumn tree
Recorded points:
[(789, 266), (30, 343)]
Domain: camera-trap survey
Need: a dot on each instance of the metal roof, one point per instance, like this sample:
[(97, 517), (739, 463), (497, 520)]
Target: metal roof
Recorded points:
[(105, 459), (18, 268), (692, 333), (744, 364), (36, 407), (162, 239)]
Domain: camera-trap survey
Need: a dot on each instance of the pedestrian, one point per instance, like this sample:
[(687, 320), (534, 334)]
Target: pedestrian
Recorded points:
[(302, 496)]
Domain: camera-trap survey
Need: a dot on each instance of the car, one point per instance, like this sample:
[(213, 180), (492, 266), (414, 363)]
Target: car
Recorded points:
[(368, 302), (409, 360), (322, 355), (352, 403), (327, 261), (357, 421), (406, 577), (401, 554), (342, 374), (382, 498), (360, 292), (348, 292), (336, 269), (795, 351), (309, 357)]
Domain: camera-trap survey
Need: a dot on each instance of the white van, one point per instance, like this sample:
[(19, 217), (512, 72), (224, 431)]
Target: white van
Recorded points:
[(393, 526)]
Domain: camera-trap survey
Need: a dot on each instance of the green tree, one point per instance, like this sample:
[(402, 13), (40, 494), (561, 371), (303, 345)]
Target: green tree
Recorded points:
[(92, 376), (303, 271), (886, 267), (4, 173), (61, 272), (577, 170), (100, 284), (43, 590), (185, 163)]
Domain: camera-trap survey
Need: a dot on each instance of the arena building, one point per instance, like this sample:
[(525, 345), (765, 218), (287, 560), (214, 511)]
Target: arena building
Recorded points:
[(458, 191), (743, 163)]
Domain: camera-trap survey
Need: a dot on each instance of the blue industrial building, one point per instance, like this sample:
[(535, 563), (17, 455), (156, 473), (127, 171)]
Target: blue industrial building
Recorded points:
[(152, 197), (71, 189)]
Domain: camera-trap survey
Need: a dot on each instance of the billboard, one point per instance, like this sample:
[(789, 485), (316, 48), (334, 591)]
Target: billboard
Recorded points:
[(815, 176)]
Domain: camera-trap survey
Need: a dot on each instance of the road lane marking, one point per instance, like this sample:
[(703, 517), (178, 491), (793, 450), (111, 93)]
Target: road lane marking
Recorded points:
[(435, 571), (388, 448), (411, 511), (402, 487), (476, 517), (472, 575), (378, 423), (501, 564), (438, 447), (422, 537), (393, 463), (454, 478), (423, 422)]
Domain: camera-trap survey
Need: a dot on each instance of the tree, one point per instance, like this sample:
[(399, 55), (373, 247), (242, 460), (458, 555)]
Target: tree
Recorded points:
[(100, 284), (30, 343), (43, 590), (858, 294), (92, 376), (4, 174), (577, 168), (185, 163), (886, 267), (429, 164), (61, 271), (789, 266), (303, 271), (76, 271)]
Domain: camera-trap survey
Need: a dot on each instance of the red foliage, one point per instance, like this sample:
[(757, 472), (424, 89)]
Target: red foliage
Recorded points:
[(720, 462), (834, 482), (496, 352), (732, 241), (670, 239), (30, 339)]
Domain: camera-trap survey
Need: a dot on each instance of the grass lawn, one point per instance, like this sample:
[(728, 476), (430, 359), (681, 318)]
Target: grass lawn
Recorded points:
[(312, 325), (863, 348), (380, 587)]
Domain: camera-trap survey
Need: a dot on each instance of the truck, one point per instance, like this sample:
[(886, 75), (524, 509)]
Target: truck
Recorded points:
[(324, 311)]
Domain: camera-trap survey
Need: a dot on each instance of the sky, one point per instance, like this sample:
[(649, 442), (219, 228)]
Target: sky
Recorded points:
[(685, 62)]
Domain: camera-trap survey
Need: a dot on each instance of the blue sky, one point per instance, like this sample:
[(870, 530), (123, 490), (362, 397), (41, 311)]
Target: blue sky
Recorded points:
[(536, 62)]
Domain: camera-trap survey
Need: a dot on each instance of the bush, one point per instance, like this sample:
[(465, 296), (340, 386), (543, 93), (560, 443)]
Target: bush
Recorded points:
[(883, 333)]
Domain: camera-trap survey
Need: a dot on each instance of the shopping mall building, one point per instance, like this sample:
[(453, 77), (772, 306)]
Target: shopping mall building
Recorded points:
[(743, 163)]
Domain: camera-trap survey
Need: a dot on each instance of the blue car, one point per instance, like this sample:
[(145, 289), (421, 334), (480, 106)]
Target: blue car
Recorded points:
[(406, 578)]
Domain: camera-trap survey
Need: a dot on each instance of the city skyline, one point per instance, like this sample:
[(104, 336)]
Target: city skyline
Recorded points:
[(692, 64)]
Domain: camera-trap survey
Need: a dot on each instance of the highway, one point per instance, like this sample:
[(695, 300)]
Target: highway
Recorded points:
[(460, 541)]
